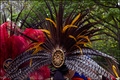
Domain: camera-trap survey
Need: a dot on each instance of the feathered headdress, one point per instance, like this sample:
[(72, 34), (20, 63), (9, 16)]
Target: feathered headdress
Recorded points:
[(68, 42), (13, 45)]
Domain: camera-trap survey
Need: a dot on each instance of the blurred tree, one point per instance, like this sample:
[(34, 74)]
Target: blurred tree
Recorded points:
[(108, 14)]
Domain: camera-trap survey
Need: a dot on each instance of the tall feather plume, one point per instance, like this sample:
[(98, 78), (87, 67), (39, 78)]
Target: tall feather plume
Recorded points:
[(70, 34)]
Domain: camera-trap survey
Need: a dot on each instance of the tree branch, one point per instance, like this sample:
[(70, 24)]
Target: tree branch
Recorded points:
[(104, 25), (104, 20), (116, 6), (118, 32), (108, 34), (115, 22), (118, 20)]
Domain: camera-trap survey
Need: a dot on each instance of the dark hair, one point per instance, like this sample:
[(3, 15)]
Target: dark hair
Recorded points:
[(104, 78), (60, 73)]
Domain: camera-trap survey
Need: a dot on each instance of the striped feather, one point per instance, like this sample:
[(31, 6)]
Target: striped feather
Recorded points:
[(92, 66), (90, 51), (20, 60), (22, 73), (81, 69)]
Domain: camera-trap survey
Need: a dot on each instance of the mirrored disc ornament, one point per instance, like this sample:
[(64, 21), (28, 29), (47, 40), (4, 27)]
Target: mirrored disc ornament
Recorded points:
[(58, 58)]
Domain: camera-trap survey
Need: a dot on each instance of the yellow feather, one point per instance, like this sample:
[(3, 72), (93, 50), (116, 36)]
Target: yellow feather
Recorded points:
[(36, 50), (83, 43), (68, 26), (86, 37), (114, 69), (48, 32), (49, 36), (44, 30), (81, 33), (80, 49), (30, 62), (52, 22), (37, 45), (75, 19), (72, 37), (31, 45)]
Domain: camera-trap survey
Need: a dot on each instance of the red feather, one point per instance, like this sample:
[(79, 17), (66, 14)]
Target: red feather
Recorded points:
[(40, 74), (35, 34), (12, 46)]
